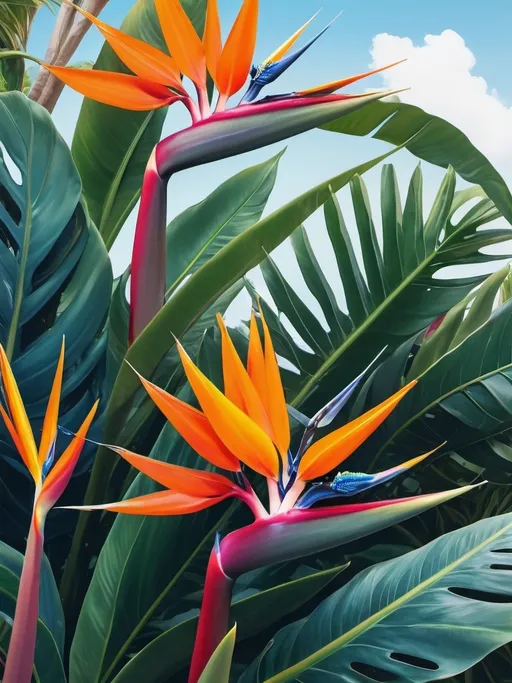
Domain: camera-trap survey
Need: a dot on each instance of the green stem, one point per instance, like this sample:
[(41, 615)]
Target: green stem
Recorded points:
[(9, 54)]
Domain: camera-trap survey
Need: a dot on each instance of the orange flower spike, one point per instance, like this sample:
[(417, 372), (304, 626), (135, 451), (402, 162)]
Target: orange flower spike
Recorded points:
[(236, 58), (182, 40), (61, 472), (240, 434), (193, 426), (116, 90), (143, 59), (276, 408), (327, 88), (160, 503), (237, 383), (256, 362), (49, 432), (20, 422), (16, 439), (288, 44), (330, 451), (212, 40), (198, 483)]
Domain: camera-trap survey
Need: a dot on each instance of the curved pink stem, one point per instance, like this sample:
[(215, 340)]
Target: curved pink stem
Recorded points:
[(214, 616), (147, 285), (22, 646)]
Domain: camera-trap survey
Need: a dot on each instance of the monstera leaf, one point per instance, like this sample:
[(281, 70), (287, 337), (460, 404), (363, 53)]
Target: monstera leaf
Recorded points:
[(392, 296), (55, 281), (427, 615)]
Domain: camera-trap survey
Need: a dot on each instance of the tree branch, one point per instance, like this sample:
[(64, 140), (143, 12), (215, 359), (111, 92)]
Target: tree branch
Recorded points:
[(67, 35)]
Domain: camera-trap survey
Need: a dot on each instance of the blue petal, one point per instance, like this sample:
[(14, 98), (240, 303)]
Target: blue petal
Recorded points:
[(268, 74), (49, 460)]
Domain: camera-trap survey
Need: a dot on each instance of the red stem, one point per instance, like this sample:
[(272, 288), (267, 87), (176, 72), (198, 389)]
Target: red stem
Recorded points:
[(214, 616), (147, 285), (22, 646)]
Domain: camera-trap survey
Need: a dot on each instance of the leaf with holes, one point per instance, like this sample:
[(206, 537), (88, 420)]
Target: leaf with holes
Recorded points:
[(392, 295), (253, 613), (429, 614), (56, 278)]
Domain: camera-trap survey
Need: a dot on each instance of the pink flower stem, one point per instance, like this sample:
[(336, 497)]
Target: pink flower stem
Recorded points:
[(147, 285), (193, 109), (221, 103), (214, 616), (22, 646), (204, 103)]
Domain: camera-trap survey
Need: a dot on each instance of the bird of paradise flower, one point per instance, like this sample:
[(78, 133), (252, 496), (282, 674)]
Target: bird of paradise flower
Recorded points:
[(156, 81), (50, 479), (246, 427)]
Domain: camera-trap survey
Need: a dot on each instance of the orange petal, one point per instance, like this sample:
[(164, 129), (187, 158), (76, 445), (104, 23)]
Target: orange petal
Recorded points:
[(240, 434), (236, 58), (60, 474), (285, 47), (212, 40), (116, 90), (143, 59), (49, 432), (333, 449), (160, 503), (20, 422), (276, 408), (237, 383), (182, 40), (256, 362), (193, 427), (327, 88), (181, 479), (17, 441)]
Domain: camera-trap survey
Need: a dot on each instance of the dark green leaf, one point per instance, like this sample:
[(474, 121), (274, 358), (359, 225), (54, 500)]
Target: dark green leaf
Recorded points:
[(429, 614), (429, 138), (56, 277), (171, 651)]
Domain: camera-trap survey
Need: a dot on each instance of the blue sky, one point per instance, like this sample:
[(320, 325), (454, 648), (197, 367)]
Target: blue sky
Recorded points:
[(460, 72)]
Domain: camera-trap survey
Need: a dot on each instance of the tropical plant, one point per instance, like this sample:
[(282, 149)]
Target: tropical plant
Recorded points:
[(132, 589), (50, 481)]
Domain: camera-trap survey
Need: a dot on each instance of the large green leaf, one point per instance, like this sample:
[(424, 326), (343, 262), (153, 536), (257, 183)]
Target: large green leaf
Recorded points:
[(50, 629), (200, 232), (464, 398), (111, 146), (172, 650), (395, 293), (203, 288), (56, 279), (193, 238), (430, 138), (429, 614)]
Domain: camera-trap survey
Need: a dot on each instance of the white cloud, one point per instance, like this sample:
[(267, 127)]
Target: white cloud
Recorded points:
[(439, 74)]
